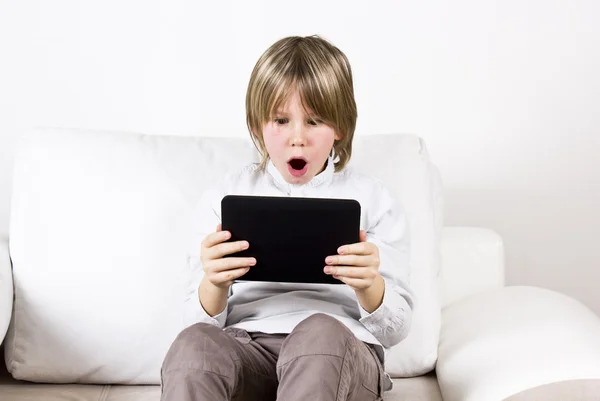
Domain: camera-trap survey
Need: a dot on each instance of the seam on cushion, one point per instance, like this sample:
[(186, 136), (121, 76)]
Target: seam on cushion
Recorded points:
[(104, 393)]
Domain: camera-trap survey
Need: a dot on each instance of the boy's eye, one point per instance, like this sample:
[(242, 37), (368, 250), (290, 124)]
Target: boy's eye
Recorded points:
[(281, 121)]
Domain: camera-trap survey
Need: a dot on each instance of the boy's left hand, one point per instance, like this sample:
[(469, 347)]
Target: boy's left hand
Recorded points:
[(356, 264)]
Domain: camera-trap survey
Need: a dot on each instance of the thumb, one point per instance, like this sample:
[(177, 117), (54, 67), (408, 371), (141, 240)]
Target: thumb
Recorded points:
[(219, 228), (363, 236)]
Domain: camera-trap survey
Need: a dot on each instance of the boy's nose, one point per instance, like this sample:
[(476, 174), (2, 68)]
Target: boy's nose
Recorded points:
[(298, 140), (298, 137)]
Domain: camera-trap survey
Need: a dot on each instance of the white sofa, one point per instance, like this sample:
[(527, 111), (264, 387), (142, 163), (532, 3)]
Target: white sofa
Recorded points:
[(94, 256)]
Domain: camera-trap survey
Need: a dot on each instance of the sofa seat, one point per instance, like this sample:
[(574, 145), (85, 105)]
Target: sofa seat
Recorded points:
[(421, 388)]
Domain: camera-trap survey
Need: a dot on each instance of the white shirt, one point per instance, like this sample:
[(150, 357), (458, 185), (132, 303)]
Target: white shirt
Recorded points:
[(279, 307)]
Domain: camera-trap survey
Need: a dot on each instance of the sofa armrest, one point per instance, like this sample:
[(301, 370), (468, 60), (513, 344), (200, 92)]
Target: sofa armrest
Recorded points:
[(472, 262), (499, 343), (6, 288)]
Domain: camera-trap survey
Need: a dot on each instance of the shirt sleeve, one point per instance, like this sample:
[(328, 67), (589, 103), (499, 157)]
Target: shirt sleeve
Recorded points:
[(390, 323), (206, 217)]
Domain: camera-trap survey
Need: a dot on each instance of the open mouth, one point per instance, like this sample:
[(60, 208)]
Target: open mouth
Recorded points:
[(297, 166), (297, 163)]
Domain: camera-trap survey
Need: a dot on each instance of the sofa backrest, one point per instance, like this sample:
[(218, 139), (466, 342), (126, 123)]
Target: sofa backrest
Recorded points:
[(98, 236)]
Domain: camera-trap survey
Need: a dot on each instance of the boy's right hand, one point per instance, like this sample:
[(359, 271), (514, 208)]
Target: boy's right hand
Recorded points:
[(220, 271)]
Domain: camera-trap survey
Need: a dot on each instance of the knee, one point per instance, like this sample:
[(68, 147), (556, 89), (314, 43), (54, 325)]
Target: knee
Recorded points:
[(321, 324), (198, 347), (317, 335)]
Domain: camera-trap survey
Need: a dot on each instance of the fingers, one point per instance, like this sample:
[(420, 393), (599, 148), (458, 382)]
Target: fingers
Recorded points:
[(227, 248), (214, 246), (215, 238), (351, 272), (228, 276), (360, 248), (357, 284), (352, 260), (220, 265), (220, 270), (358, 278)]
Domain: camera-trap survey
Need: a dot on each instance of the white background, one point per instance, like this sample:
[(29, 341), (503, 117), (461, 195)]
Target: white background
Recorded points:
[(505, 93)]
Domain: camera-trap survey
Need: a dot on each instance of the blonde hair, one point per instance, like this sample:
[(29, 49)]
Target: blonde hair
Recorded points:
[(322, 75)]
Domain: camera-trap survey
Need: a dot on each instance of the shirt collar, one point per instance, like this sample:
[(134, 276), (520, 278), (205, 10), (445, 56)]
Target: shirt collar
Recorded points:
[(323, 178)]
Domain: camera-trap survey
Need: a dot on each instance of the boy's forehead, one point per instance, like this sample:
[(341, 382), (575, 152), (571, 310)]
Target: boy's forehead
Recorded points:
[(287, 108), (284, 112)]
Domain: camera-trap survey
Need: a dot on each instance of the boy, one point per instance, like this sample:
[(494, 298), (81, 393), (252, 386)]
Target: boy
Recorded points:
[(288, 341)]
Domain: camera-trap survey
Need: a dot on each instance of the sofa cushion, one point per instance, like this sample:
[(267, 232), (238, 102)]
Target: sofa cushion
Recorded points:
[(402, 163), (422, 388), (98, 231), (572, 390), (99, 228), (500, 343)]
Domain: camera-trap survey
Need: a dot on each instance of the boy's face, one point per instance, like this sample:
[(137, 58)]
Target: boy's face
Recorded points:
[(298, 143)]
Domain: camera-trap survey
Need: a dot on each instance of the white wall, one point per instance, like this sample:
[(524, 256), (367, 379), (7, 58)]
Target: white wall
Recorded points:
[(505, 93)]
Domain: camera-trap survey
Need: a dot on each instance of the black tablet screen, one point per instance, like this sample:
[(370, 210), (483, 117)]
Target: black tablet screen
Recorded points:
[(290, 237)]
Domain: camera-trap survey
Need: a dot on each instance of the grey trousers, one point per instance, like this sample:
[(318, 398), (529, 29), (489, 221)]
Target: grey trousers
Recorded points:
[(320, 360)]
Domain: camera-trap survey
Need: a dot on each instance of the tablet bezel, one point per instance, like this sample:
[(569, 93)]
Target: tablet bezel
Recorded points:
[(292, 236)]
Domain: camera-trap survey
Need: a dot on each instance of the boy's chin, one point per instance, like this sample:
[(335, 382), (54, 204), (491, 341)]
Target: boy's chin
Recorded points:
[(298, 180)]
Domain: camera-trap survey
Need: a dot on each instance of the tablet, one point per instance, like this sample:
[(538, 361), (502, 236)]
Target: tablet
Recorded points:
[(290, 237)]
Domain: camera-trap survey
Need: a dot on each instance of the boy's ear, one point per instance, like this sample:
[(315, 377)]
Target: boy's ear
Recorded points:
[(337, 136)]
